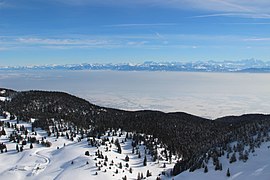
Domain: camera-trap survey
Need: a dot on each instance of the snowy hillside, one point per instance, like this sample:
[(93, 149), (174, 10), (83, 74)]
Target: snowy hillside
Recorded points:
[(67, 159), (257, 167)]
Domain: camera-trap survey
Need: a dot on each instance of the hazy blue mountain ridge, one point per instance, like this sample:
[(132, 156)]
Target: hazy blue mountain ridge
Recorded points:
[(249, 65)]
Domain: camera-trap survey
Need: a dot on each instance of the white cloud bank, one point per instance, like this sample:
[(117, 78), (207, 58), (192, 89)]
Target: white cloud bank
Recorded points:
[(206, 94)]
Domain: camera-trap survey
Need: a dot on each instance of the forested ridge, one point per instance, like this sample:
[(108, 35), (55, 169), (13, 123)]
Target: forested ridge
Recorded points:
[(187, 136)]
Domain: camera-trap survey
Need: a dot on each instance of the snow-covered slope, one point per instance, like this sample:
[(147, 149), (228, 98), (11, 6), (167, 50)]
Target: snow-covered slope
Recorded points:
[(257, 167), (66, 159)]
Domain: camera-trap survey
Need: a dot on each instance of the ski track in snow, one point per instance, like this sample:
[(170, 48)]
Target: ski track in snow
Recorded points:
[(40, 167), (235, 176), (259, 171)]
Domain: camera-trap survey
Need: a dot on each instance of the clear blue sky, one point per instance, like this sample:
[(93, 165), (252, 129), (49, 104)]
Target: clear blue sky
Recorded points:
[(36, 32)]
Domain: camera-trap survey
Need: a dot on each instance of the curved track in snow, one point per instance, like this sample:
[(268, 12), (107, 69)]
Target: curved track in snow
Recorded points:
[(40, 166)]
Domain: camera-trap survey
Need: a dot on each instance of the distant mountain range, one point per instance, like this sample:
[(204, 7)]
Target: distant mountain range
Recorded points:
[(249, 65)]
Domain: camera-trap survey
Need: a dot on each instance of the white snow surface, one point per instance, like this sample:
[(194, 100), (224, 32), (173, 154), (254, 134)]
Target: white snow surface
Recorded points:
[(3, 98), (256, 167), (43, 163)]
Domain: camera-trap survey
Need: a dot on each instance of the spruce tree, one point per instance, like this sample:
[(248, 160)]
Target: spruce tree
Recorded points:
[(228, 173), (120, 165), (148, 174), (145, 161), (233, 158), (17, 148), (139, 176), (205, 169), (87, 153), (220, 167), (126, 158)]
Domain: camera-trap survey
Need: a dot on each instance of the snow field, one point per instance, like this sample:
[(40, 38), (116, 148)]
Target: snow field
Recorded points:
[(66, 159)]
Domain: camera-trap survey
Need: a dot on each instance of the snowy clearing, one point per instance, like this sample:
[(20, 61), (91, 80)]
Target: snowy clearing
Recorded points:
[(66, 159)]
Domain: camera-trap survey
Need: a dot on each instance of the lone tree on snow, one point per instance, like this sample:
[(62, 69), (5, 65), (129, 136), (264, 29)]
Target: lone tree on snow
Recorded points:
[(205, 169), (228, 173), (145, 161)]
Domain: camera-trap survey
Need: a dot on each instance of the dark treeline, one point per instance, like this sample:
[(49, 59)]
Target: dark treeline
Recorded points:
[(186, 136)]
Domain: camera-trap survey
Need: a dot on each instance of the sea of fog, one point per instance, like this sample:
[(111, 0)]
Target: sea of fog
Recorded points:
[(209, 95)]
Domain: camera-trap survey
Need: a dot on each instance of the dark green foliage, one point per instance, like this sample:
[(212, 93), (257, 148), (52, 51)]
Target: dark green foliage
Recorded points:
[(228, 174), (145, 161), (139, 176), (220, 167), (2, 147), (46, 144), (205, 169), (233, 158), (87, 153), (117, 144), (126, 158), (148, 174), (120, 165), (32, 139), (2, 132), (217, 166), (17, 148)]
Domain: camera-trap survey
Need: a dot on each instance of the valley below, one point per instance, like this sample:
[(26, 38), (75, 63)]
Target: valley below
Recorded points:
[(210, 95)]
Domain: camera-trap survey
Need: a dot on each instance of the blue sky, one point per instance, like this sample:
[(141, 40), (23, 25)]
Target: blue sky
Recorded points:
[(36, 32)]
